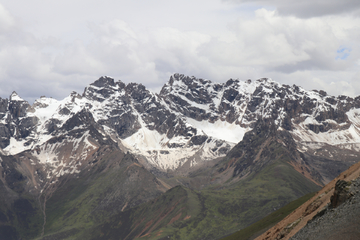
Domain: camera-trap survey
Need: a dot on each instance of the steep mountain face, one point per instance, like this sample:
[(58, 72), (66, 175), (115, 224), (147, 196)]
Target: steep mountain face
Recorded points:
[(191, 120), (134, 117), (216, 200), (261, 147), (118, 146), (78, 170)]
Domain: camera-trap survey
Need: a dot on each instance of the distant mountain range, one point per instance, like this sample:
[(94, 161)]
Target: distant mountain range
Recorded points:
[(199, 160)]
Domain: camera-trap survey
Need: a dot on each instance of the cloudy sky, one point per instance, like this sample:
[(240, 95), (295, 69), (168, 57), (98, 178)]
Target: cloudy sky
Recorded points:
[(52, 48)]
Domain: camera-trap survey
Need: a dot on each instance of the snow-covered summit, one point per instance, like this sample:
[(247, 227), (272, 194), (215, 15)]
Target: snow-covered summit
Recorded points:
[(15, 97)]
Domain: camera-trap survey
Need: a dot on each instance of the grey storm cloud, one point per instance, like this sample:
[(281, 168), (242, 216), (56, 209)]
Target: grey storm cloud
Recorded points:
[(308, 9), (318, 7)]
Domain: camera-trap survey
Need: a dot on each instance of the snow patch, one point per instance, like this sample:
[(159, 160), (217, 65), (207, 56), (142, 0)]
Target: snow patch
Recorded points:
[(15, 97), (332, 137), (223, 130), (15, 146)]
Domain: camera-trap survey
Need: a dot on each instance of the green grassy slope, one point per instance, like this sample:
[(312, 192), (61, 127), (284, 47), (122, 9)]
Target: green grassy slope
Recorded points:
[(116, 183), (227, 210), (211, 213), (148, 220), (262, 225)]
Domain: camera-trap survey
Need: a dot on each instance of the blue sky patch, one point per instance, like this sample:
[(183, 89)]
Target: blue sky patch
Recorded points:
[(342, 53)]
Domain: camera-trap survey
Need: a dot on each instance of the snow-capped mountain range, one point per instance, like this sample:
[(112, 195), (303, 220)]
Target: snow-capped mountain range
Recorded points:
[(190, 121)]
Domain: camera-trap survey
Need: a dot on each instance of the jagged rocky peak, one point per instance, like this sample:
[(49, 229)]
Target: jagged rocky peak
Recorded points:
[(265, 80), (18, 106), (182, 82), (15, 97), (138, 91), (74, 95), (42, 102), (103, 88), (231, 82), (104, 81), (194, 88), (108, 82)]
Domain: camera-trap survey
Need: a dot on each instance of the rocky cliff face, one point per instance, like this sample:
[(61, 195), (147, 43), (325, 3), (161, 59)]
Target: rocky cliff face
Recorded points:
[(191, 120), (340, 219)]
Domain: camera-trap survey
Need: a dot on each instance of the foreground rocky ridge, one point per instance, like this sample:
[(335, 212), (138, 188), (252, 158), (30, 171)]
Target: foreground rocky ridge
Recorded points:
[(339, 220), (331, 214)]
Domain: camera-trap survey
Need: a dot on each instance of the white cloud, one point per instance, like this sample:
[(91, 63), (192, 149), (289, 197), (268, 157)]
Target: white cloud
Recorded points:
[(288, 44), (6, 20), (147, 43)]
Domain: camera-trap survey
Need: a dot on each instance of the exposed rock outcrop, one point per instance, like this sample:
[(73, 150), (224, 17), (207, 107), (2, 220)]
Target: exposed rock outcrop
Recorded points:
[(341, 193)]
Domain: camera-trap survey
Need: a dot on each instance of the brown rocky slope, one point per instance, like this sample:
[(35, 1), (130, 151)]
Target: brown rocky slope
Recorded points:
[(324, 216)]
